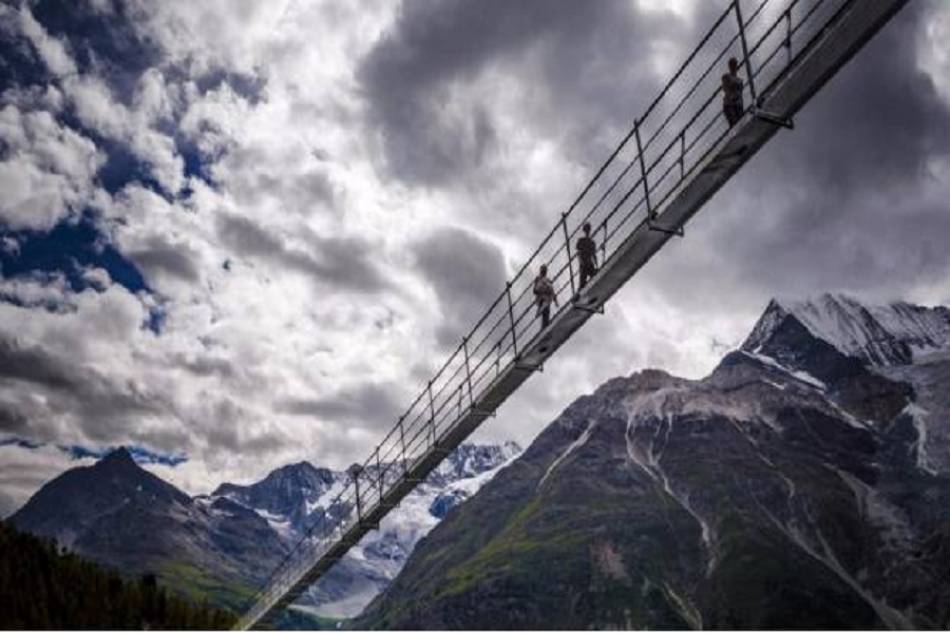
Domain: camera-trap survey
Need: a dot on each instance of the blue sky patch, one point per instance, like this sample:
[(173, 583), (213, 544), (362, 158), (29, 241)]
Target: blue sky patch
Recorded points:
[(70, 247), (106, 42), (140, 454)]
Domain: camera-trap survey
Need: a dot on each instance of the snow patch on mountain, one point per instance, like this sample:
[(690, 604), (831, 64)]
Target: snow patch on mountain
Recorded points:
[(919, 417), (802, 376), (295, 497), (580, 441), (645, 449), (381, 554)]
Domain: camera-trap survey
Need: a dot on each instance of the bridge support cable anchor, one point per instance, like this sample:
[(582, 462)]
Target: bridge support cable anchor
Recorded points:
[(577, 305), (678, 232), (528, 367), (483, 412), (774, 119)]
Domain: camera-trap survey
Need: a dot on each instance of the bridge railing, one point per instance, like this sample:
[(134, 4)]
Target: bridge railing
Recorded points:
[(679, 129)]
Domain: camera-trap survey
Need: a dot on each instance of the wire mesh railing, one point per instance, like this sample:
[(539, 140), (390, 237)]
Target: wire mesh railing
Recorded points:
[(677, 132)]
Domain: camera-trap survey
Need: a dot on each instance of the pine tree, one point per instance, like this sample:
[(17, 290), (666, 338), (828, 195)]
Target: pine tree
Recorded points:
[(42, 586)]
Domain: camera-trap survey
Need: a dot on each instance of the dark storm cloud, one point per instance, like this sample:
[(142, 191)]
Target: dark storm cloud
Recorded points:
[(583, 65), (878, 122), (101, 406), (343, 262), (225, 426), (371, 404), (12, 420), (846, 200), (32, 365), (467, 274)]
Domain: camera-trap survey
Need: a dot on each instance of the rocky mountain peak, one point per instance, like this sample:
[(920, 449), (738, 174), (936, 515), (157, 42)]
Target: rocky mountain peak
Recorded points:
[(119, 458), (879, 335)]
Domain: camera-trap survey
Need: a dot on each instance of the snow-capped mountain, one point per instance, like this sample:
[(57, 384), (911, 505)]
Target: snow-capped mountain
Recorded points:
[(290, 498), (802, 484), (293, 498), (894, 334), (882, 361)]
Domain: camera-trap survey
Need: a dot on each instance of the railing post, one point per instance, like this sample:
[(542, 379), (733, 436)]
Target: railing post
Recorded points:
[(603, 246), (468, 371), (355, 471), (511, 319), (570, 260), (788, 35), (643, 170), (682, 154), (379, 473), (432, 413), (402, 444), (745, 51), (497, 358)]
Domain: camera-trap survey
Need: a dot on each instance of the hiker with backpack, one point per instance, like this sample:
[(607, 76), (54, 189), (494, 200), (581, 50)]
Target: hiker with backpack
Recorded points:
[(732, 86), (544, 295), (586, 256)]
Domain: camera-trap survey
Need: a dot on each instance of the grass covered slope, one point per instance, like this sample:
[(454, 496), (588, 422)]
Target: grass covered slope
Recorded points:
[(42, 587)]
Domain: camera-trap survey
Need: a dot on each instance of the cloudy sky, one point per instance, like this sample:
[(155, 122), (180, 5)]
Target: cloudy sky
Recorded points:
[(235, 234)]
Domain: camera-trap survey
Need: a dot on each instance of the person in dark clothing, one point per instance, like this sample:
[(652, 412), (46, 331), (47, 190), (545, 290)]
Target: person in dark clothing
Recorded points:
[(587, 255), (544, 295), (732, 86)]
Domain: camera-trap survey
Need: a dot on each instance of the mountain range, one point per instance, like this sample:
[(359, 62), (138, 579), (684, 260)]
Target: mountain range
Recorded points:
[(802, 484), (223, 545)]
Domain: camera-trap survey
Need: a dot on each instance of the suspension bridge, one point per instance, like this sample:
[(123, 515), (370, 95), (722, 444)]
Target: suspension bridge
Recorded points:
[(677, 155)]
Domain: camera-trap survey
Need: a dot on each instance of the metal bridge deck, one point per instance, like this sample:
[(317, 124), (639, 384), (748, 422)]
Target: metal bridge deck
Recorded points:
[(636, 212)]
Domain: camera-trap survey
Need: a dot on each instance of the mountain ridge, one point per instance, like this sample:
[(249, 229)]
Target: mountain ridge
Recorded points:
[(785, 487), (225, 544)]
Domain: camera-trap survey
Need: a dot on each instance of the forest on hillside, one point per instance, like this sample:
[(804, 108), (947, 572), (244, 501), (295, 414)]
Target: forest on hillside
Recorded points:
[(45, 587)]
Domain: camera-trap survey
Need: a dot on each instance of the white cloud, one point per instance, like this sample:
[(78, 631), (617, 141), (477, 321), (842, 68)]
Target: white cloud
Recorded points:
[(52, 51), (48, 172)]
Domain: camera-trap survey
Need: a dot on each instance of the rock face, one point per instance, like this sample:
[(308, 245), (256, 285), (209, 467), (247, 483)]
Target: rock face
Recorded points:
[(224, 545), (800, 485)]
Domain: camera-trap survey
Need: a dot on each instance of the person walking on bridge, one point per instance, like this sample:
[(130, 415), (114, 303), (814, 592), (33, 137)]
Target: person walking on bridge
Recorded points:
[(544, 295), (587, 256), (732, 85)]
